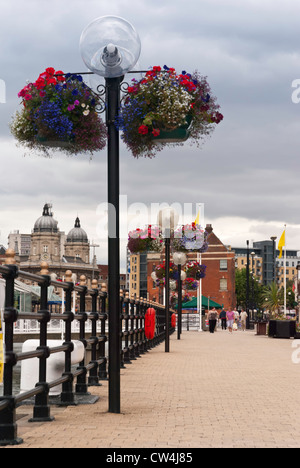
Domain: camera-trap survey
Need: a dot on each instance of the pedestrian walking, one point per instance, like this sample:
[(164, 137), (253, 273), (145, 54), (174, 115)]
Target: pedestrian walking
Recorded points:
[(212, 320), (236, 318), (223, 319), (230, 319), (244, 317)]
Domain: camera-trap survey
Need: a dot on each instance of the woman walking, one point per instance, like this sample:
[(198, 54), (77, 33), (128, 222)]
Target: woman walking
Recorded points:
[(212, 319), (230, 319)]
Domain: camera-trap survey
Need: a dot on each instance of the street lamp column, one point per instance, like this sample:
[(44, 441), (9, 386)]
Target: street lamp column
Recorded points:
[(179, 259), (167, 221), (247, 288), (113, 181), (110, 47)]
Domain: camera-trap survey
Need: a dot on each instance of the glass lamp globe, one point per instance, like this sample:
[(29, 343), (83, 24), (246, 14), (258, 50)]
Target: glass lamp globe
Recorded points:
[(183, 276), (179, 258), (167, 219), (110, 46)]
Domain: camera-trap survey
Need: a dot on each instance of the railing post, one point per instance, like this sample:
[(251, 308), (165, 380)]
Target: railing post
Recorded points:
[(103, 367), (67, 395), (132, 352), (142, 329), (126, 319), (8, 426), (136, 328), (81, 387), (41, 410), (93, 379), (122, 365)]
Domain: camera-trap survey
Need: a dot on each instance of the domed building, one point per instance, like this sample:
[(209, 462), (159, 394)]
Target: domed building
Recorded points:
[(47, 243), (45, 238), (77, 246)]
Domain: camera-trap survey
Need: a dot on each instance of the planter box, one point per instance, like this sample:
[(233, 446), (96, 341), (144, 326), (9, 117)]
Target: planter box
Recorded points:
[(282, 329), (261, 328), (178, 135)]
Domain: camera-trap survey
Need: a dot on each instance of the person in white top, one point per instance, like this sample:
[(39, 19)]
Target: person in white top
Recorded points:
[(244, 316)]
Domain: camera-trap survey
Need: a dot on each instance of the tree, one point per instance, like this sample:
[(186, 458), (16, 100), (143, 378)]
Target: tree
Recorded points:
[(273, 297), (241, 290)]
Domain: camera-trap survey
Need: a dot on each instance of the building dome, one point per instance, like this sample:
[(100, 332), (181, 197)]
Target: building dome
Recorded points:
[(77, 234), (46, 223)]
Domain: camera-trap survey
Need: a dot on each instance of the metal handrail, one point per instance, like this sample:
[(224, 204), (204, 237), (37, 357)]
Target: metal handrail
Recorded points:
[(133, 343)]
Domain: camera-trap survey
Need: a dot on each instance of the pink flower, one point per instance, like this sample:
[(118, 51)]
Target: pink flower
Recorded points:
[(71, 107), (76, 103)]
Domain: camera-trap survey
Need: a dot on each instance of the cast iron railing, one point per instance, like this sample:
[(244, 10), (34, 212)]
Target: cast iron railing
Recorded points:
[(133, 343)]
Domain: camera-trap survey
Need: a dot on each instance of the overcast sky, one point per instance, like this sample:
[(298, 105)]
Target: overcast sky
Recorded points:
[(246, 174)]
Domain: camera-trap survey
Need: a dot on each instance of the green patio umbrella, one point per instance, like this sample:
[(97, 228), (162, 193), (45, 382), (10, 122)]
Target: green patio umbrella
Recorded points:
[(193, 304)]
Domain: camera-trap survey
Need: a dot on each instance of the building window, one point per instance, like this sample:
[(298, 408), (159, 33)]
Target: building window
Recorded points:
[(223, 265), (45, 249), (223, 284)]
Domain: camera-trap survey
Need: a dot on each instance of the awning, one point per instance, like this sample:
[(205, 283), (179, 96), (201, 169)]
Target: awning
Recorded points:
[(192, 305)]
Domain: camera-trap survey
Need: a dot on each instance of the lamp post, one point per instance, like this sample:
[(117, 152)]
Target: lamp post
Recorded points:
[(273, 239), (247, 288), (167, 221), (179, 259), (252, 283), (110, 47)]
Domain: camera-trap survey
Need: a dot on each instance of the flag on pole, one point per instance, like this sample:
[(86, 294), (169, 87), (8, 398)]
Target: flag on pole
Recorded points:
[(197, 220), (281, 243)]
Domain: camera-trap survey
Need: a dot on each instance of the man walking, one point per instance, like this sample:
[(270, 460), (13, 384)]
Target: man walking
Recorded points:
[(244, 316), (223, 319)]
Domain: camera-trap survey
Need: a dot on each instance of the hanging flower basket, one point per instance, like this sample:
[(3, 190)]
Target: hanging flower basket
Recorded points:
[(165, 107), (159, 275), (195, 270), (160, 271), (145, 240), (190, 284), (59, 112), (190, 237)]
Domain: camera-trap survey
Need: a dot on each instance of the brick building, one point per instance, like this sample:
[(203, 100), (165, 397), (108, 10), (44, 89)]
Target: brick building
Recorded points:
[(219, 283)]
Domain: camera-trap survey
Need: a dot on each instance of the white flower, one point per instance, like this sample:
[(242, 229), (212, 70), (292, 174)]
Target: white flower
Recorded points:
[(86, 112)]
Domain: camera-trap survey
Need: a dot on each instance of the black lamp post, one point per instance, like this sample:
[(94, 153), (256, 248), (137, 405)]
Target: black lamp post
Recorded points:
[(179, 259), (110, 47), (167, 221), (247, 288), (252, 284), (273, 239)]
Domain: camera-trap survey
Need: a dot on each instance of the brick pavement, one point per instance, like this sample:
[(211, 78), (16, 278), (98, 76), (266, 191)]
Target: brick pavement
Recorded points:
[(219, 390)]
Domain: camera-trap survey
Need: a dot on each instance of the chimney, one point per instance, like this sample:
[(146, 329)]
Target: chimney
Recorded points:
[(209, 229)]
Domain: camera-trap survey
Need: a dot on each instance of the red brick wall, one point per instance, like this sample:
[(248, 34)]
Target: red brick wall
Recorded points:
[(211, 283)]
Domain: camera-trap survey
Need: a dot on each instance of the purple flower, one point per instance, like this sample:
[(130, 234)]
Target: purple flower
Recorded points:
[(71, 107)]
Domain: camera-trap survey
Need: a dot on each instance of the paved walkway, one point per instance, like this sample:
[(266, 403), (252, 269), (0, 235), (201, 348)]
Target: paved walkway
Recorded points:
[(219, 390)]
